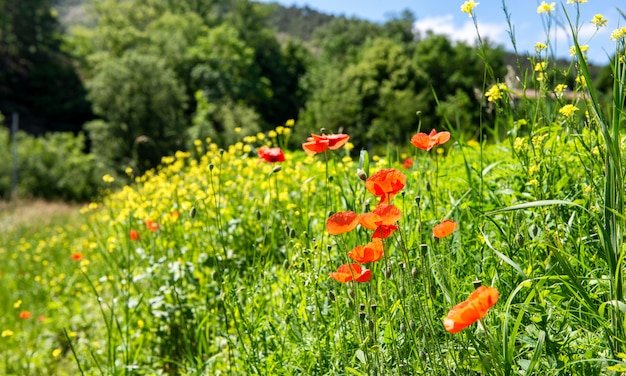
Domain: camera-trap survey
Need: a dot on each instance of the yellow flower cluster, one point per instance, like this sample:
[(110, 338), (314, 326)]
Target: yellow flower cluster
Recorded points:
[(568, 110), (618, 34), (599, 21), (468, 7), (545, 7), (496, 92)]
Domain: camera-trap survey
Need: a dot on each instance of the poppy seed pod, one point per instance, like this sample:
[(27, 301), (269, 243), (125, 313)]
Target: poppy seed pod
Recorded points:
[(277, 169), (192, 212)]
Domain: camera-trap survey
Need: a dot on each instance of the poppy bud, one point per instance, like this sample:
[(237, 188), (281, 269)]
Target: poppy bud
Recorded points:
[(402, 327), (221, 151), (258, 215), (402, 291), (192, 212), (286, 264), (414, 273), (371, 325), (361, 174), (362, 315), (519, 239), (417, 200), (433, 291), (373, 308), (477, 283), (277, 168), (412, 324), (211, 166), (330, 179), (362, 307), (402, 265), (424, 248), (533, 231), (428, 186), (331, 295), (388, 273)]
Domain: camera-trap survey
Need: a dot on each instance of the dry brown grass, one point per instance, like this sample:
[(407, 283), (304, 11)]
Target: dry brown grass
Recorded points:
[(35, 213)]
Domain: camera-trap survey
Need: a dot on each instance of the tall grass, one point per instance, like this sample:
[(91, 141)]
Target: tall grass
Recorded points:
[(219, 262)]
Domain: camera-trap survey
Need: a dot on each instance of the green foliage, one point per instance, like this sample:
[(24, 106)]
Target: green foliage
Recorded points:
[(52, 167), (143, 103)]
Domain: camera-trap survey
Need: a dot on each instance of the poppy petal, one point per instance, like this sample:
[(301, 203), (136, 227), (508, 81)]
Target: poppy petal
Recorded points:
[(342, 222), (471, 310), (444, 229)]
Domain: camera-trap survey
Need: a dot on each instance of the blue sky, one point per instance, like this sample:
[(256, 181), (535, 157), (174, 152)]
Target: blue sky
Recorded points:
[(445, 17)]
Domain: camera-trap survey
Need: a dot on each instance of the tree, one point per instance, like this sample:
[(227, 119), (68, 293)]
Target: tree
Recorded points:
[(36, 78)]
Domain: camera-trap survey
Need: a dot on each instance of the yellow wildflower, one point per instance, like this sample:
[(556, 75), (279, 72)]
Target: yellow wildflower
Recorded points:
[(56, 352), (495, 92), (560, 88), (540, 67), (237, 130), (17, 304), (568, 110), (618, 33), (540, 47), (290, 123), (545, 7), (108, 178), (581, 80), (599, 21), (583, 48), (468, 7), (7, 333)]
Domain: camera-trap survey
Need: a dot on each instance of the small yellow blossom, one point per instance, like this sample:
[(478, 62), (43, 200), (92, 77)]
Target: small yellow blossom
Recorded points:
[(272, 134), (237, 130), (532, 170), (519, 144), (581, 80), (545, 7), (599, 21), (534, 182), (260, 136), (540, 47), (540, 67), (128, 171), (7, 333), (560, 88), (568, 110), (618, 34), (290, 123), (495, 92), (583, 48), (17, 304), (468, 7), (108, 178), (56, 353)]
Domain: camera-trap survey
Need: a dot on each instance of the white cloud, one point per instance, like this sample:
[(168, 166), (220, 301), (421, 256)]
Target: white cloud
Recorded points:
[(445, 25)]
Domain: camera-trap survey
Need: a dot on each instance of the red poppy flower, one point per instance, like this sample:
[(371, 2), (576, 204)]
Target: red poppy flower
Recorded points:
[(77, 256), (407, 163), (320, 143), (371, 252), (134, 235), (271, 154), (473, 309), (444, 229), (384, 231), (25, 315), (151, 225), (349, 272), (386, 183), (428, 141), (381, 220), (342, 222)]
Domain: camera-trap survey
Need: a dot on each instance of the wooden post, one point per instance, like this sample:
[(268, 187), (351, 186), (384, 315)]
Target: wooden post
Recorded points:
[(14, 176)]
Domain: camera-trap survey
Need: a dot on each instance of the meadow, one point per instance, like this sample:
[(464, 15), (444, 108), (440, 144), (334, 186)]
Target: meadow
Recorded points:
[(500, 254)]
